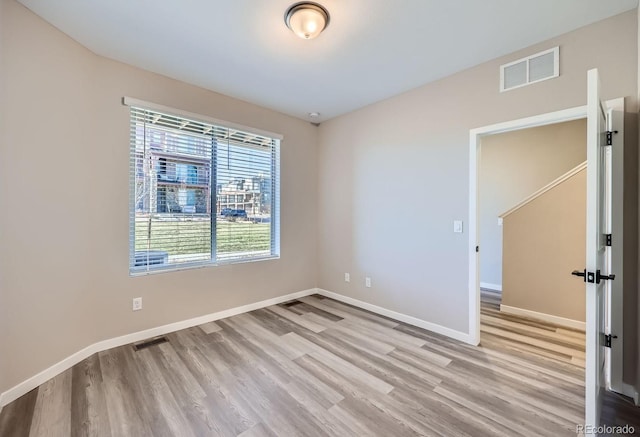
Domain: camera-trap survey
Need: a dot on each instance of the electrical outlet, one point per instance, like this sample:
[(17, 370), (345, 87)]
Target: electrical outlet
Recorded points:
[(367, 282), (137, 303), (347, 277)]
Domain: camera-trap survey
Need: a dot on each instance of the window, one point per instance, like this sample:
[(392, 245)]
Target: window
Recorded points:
[(201, 193)]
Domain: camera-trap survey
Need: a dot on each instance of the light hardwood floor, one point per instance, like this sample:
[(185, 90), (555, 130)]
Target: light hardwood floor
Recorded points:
[(545, 342), (528, 337), (317, 367)]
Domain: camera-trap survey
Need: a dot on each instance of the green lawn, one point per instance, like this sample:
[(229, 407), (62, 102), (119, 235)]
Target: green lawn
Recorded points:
[(187, 237)]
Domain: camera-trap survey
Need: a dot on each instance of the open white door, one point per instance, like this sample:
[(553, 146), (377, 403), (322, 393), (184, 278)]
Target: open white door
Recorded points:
[(596, 273), (615, 222)]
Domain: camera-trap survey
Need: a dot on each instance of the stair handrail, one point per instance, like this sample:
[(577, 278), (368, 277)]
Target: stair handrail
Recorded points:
[(574, 171)]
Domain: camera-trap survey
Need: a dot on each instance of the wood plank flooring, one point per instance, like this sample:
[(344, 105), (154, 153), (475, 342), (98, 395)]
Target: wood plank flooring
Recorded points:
[(542, 342), (317, 367), (528, 336)]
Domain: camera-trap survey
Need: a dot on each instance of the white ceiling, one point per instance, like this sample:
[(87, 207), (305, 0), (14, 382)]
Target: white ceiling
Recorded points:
[(372, 49)]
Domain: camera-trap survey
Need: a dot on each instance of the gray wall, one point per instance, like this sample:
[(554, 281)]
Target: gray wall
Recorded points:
[(513, 166), (390, 179), (394, 175), (64, 164)]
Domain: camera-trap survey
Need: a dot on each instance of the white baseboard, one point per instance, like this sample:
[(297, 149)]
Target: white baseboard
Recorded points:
[(569, 323), (489, 286), (629, 391), (433, 327), (26, 386)]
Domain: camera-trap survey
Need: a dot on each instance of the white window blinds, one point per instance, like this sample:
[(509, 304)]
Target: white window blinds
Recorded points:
[(200, 193)]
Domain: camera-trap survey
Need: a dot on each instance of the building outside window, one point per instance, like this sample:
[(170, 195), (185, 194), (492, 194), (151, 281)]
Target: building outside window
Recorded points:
[(201, 193)]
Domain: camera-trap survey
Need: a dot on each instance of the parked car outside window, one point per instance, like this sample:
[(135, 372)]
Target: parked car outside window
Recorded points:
[(237, 213)]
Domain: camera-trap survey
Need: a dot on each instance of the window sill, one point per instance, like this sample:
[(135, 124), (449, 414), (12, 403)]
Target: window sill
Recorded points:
[(143, 271)]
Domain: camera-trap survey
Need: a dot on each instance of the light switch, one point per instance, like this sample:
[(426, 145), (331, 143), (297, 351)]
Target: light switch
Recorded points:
[(499, 221), (457, 226)]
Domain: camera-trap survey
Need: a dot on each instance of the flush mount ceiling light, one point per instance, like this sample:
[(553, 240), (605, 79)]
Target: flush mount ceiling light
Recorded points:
[(306, 19)]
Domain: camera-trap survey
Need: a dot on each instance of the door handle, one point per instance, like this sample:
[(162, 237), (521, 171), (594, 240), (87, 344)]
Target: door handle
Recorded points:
[(604, 277), (582, 274), (589, 277), (593, 278)]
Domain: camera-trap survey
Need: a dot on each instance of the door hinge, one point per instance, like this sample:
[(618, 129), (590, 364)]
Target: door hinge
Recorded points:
[(610, 137), (608, 239), (477, 249), (608, 338)]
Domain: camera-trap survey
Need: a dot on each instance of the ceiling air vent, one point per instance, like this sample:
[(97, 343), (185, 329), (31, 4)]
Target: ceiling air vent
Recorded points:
[(535, 68)]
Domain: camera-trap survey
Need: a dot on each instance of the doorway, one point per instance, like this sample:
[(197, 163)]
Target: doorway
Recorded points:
[(531, 218), (615, 296)]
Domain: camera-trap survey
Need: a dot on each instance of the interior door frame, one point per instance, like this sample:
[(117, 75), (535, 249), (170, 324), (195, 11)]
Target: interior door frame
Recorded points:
[(475, 139)]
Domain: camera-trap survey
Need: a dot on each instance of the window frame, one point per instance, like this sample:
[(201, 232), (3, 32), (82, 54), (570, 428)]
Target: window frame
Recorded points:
[(215, 260)]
